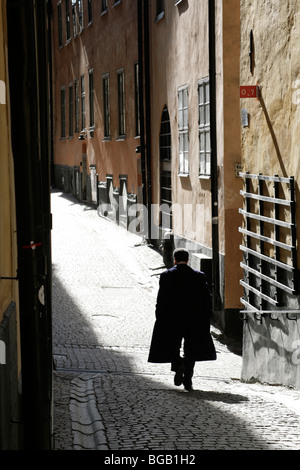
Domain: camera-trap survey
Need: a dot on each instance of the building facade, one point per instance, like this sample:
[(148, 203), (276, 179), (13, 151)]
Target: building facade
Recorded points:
[(270, 155), (195, 138), (96, 92), (133, 131)]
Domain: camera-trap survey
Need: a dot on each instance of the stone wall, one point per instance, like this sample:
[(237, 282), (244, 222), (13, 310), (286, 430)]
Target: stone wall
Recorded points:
[(270, 146)]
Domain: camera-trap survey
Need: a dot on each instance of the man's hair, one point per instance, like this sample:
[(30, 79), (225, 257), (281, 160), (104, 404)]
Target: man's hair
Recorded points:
[(180, 254)]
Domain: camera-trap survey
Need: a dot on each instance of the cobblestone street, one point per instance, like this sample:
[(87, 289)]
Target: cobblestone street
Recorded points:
[(106, 395)]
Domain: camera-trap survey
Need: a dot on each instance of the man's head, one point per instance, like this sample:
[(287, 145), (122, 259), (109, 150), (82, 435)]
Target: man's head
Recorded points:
[(181, 255)]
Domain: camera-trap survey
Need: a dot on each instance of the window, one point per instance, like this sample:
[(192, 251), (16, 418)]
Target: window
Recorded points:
[(68, 21), (91, 98), (74, 16), (160, 10), (103, 6), (90, 11), (183, 128), (70, 109), (59, 24), (77, 112), (63, 112), (80, 15), (106, 110), (137, 100), (121, 102), (82, 87), (204, 128)]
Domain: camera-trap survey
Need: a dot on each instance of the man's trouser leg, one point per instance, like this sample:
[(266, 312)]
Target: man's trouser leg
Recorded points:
[(189, 365)]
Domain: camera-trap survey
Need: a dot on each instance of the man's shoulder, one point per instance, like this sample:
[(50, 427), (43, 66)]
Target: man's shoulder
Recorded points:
[(182, 268)]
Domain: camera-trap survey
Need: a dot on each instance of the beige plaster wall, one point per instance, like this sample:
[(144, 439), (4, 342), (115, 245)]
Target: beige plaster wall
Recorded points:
[(179, 53), (270, 143)]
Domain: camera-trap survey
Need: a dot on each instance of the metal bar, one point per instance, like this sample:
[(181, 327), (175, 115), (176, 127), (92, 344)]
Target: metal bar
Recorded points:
[(266, 258), (293, 229), (266, 239), (279, 179), (258, 293), (244, 302), (258, 197), (253, 310), (267, 278), (276, 228), (269, 220), (261, 242)]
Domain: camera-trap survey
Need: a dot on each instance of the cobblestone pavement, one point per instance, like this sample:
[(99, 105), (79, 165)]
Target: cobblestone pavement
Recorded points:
[(106, 395)]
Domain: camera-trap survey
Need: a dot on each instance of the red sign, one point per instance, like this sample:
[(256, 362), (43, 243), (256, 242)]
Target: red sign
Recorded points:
[(249, 91)]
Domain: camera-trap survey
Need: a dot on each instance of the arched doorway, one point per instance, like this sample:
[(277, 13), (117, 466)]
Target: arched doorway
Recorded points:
[(165, 171)]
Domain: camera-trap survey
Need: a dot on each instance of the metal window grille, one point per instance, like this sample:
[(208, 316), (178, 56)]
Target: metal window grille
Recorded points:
[(269, 242)]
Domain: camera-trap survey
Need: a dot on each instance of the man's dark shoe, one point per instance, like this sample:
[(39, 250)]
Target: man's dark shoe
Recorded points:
[(188, 385), (178, 378)]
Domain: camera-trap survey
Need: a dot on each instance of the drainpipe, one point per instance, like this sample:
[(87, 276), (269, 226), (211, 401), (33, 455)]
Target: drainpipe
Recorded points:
[(144, 103), (148, 116), (141, 96), (214, 160)]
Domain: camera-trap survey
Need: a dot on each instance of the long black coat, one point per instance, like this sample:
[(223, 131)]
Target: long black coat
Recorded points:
[(183, 310)]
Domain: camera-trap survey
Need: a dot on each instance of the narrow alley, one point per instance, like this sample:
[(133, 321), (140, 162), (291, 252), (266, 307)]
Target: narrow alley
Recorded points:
[(106, 395)]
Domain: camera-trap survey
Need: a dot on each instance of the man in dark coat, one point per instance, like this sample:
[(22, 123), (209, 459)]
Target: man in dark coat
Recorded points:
[(183, 312)]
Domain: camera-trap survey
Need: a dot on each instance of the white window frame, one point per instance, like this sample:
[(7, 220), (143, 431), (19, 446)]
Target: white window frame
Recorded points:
[(204, 128), (183, 130)]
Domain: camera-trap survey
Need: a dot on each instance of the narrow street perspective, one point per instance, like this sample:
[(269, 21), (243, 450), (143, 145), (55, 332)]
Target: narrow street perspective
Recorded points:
[(107, 396)]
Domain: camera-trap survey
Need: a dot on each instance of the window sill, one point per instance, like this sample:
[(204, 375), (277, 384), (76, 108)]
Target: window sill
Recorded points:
[(183, 175), (106, 139), (204, 177)]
